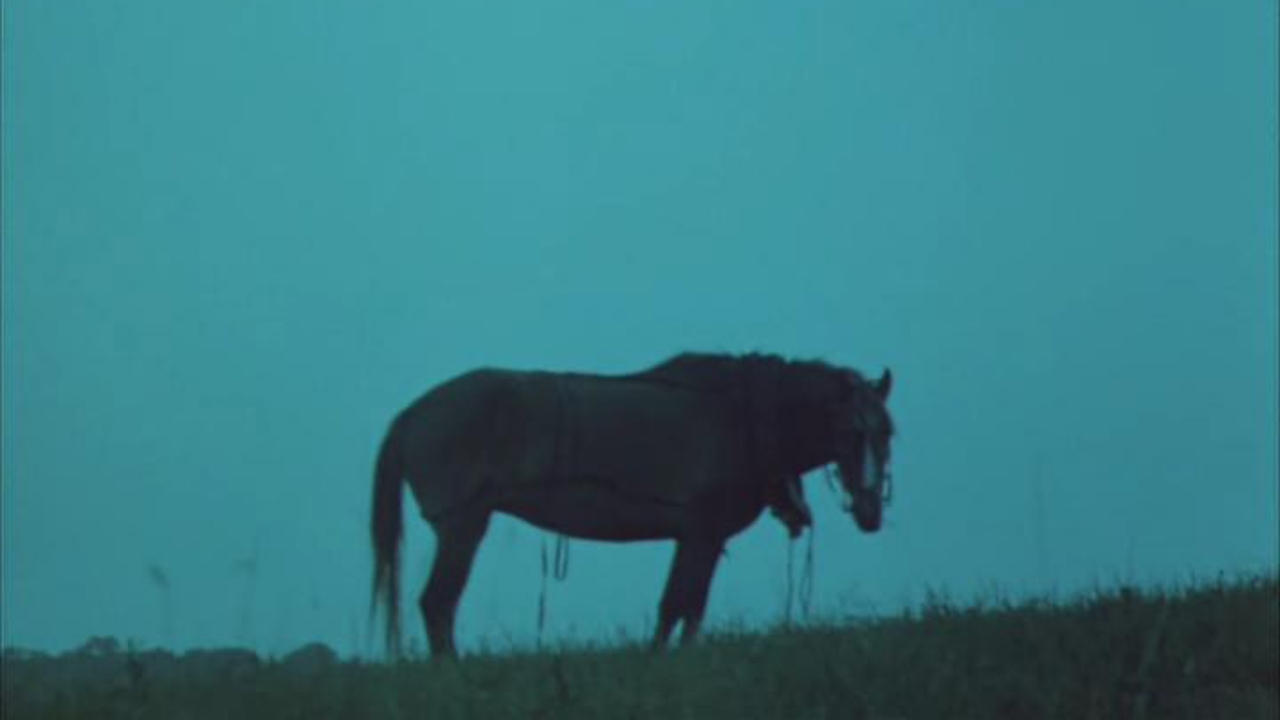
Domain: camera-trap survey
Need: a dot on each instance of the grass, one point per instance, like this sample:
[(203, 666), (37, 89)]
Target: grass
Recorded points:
[(1205, 652)]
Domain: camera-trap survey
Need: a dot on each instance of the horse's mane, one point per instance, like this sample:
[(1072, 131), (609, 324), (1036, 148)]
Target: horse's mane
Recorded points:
[(719, 372), (698, 371), (759, 386)]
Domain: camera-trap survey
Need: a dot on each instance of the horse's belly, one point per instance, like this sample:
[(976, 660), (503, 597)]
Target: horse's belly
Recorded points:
[(594, 512)]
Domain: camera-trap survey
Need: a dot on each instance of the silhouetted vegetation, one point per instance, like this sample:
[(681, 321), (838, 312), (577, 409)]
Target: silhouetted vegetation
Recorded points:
[(1205, 652)]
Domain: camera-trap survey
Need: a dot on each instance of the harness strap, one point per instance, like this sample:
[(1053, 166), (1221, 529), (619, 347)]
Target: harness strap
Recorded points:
[(806, 580), (786, 612), (559, 571), (542, 594), (560, 567)]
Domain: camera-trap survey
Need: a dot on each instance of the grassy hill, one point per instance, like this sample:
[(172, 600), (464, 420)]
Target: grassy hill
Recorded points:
[(1205, 652)]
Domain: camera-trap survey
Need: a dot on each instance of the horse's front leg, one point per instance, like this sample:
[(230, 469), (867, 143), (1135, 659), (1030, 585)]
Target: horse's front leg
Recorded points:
[(688, 584)]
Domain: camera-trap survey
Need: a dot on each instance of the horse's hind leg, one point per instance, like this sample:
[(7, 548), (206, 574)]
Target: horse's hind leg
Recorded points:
[(685, 597), (457, 538)]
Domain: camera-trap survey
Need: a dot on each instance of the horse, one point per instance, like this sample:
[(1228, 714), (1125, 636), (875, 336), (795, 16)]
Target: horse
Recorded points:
[(692, 449)]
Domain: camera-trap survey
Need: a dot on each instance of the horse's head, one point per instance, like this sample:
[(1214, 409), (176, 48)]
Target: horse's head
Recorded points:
[(861, 431)]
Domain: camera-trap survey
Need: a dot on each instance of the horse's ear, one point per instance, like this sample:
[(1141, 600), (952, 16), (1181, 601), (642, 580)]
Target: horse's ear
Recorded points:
[(884, 385)]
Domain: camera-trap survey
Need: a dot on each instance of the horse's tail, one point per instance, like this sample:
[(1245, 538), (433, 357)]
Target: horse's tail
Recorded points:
[(387, 527)]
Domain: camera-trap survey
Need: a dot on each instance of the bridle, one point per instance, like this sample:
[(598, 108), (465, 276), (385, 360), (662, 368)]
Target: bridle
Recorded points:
[(886, 488), (837, 486)]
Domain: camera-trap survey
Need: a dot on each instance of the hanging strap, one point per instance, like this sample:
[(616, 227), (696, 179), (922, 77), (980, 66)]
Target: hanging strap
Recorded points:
[(542, 595), (560, 566), (559, 571), (806, 580), (786, 613)]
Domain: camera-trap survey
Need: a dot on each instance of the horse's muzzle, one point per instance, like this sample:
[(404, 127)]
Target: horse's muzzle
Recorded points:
[(868, 511)]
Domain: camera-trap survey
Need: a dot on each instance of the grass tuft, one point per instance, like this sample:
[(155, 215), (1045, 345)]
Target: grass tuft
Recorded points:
[(1195, 652)]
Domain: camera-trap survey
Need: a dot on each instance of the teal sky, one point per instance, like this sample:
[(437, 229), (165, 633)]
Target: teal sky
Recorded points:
[(238, 236)]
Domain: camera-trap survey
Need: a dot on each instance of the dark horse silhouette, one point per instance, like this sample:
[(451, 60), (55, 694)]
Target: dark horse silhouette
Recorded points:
[(692, 449)]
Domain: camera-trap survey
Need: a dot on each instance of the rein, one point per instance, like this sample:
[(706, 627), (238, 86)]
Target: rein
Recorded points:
[(806, 579)]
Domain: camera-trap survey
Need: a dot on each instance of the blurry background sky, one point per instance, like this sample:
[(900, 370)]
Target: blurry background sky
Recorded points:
[(238, 236)]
